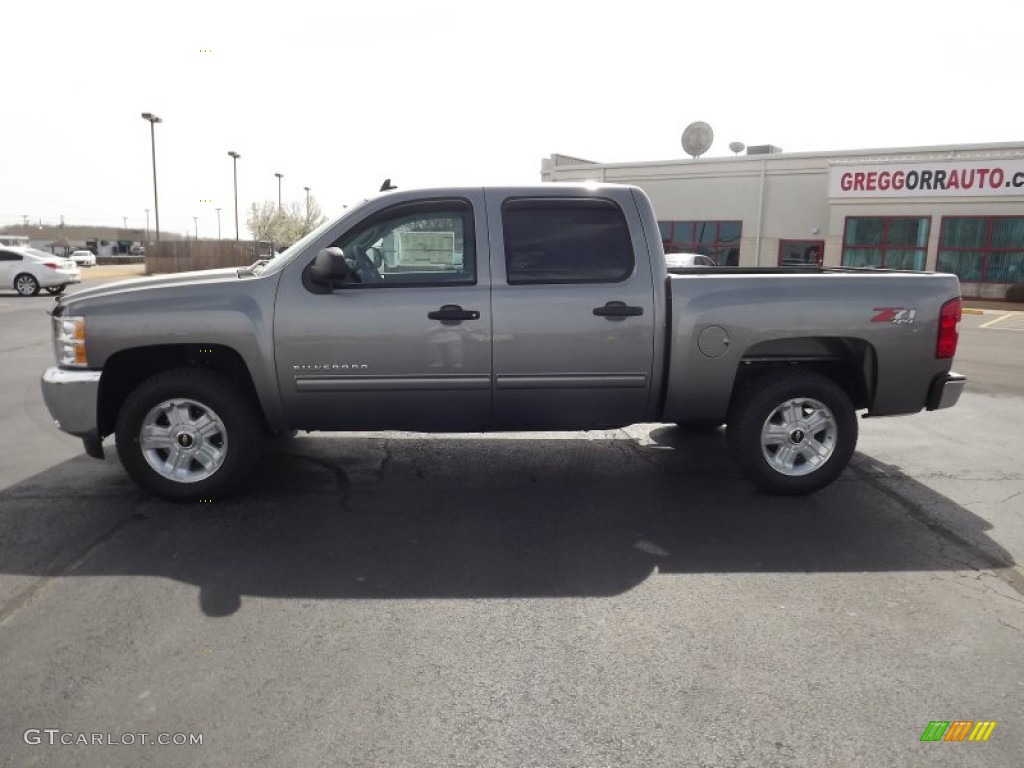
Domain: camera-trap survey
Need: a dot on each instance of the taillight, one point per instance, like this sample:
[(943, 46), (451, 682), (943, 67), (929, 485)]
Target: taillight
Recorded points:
[(949, 317), (51, 265)]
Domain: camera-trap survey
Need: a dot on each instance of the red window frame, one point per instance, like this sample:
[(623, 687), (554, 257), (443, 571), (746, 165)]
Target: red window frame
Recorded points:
[(819, 243), (696, 246), (885, 246), (986, 249)]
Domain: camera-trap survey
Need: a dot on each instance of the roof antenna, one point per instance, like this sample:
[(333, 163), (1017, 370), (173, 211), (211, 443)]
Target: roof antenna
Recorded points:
[(387, 186)]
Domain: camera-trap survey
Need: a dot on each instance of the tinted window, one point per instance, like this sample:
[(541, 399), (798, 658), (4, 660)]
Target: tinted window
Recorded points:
[(566, 241), (9, 256)]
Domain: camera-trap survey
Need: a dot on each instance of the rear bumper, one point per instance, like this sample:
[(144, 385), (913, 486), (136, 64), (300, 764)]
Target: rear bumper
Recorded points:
[(72, 398), (945, 391), (59, 277)]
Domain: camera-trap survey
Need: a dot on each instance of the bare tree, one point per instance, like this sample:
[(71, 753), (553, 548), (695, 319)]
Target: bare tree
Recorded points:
[(284, 225), (262, 220)]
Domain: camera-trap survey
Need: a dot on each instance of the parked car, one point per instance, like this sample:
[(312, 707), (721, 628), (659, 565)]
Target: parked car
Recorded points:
[(520, 308), (685, 260), (27, 270), (84, 258)]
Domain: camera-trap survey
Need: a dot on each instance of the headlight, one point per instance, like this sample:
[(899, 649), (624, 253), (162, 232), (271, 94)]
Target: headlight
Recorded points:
[(69, 341)]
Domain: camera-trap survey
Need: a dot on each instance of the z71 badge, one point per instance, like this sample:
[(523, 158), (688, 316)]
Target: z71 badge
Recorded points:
[(894, 315)]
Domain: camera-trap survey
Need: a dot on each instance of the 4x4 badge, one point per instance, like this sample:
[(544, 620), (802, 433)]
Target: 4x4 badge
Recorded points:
[(894, 315)]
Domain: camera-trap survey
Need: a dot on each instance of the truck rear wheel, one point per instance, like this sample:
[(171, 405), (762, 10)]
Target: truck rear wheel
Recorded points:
[(792, 432), (188, 434)]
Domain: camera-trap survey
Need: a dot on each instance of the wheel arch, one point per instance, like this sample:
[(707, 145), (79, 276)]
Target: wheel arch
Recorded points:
[(126, 369), (850, 362)]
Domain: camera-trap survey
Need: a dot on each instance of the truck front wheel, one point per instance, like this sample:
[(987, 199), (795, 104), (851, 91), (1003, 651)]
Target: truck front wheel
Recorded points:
[(188, 434), (792, 432)]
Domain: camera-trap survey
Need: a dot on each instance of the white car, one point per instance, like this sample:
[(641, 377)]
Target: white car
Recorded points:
[(685, 260), (27, 270), (84, 258)]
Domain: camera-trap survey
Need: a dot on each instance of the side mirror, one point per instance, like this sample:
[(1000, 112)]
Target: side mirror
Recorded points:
[(330, 267)]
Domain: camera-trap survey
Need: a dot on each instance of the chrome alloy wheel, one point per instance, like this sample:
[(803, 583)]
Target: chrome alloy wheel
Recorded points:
[(183, 440), (26, 285), (798, 436)]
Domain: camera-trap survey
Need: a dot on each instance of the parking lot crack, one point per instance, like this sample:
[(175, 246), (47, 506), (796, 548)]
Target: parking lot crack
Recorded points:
[(1005, 570)]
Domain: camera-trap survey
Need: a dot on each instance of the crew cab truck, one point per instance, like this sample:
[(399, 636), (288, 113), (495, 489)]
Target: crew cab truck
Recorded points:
[(486, 309)]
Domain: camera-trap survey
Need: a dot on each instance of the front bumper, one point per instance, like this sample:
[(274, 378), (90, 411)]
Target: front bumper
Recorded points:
[(72, 398), (945, 391)]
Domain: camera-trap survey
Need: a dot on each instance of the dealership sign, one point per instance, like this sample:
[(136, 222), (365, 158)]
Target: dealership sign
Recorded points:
[(971, 178)]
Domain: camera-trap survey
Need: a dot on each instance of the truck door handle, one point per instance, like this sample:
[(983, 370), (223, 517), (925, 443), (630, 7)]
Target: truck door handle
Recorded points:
[(453, 314), (617, 310)]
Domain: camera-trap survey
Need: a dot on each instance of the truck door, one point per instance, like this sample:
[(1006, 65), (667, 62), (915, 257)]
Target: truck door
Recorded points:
[(573, 311), (408, 345)]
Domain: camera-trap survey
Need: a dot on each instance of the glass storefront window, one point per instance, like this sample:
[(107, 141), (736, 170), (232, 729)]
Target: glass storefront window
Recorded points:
[(967, 265), (863, 257), (986, 249), (801, 253), (888, 242), (719, 240), (1006, 267)]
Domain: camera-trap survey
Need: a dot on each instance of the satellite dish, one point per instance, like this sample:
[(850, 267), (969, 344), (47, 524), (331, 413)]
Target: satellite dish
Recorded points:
[(737, 146), (697, 139)]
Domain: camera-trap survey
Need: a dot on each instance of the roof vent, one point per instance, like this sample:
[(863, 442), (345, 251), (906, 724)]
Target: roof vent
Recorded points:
[(764, 149)]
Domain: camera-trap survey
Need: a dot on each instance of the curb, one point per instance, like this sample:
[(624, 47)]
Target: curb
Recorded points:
[(109, 271), (991, 311)]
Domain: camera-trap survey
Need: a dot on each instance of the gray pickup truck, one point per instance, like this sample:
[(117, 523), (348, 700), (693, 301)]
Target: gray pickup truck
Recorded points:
[(521, 308)]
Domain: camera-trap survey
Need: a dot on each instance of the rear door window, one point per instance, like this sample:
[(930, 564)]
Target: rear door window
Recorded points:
[(566, 240)]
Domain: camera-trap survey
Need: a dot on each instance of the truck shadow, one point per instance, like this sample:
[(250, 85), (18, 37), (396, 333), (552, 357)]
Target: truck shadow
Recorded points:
[(409, 516)]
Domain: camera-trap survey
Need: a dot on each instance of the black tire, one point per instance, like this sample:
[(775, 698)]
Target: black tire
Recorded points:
[(26, 285), (56, 289), (216, 433), (810, 440)]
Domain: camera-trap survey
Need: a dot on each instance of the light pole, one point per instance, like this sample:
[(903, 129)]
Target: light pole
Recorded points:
[(196, 220), (147, 225), (307, 202), (218, 223), (234, 161), (279, 177), (124, 219), (153, 120)]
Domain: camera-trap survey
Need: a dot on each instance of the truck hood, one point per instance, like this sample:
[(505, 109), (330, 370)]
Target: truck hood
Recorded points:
[(139, 284)]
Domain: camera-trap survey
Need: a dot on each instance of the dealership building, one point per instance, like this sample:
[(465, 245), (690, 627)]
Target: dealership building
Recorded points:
[(956, 209)]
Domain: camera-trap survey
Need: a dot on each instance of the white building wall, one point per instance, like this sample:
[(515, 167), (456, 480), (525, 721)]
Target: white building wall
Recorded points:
[(787, 196)]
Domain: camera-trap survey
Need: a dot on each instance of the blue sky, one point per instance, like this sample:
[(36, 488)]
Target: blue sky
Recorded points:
[(338, 96)]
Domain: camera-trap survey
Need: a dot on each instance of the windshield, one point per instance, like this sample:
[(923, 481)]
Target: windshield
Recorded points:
[(277, 263)]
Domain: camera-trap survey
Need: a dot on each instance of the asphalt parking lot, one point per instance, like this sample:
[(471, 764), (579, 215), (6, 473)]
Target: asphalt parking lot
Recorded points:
[(614, 598)]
